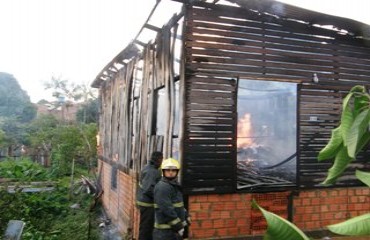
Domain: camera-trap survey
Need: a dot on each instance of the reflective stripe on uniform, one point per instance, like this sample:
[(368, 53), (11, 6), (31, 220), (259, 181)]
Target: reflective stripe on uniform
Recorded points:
[(168, 226), (162, 226), (176, 205), (144, 204), (179, 204)]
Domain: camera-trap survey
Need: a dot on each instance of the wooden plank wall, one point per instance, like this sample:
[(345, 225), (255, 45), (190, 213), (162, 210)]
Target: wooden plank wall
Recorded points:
[(227, 42), (130, 96), (209, 145)]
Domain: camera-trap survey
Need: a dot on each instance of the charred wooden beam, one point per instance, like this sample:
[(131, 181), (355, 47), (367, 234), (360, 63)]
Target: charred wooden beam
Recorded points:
[(152, 27)]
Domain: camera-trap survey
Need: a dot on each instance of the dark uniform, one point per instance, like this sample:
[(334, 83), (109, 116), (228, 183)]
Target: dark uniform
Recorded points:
[(150, 175), (170, 214)]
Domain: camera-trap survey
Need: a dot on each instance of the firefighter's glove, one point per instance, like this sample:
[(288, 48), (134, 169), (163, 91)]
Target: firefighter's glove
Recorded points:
[(188, 220), (181, 232)]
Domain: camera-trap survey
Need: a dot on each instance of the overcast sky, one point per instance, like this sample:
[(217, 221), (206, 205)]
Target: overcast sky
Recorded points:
[(75, 39)]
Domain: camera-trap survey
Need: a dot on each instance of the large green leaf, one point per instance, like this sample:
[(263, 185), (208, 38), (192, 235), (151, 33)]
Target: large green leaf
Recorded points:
[(330, 150), (361, 102), (346, 122), (348, 115), (363, 176), (357, 226), (278, 228), (341, 162), (357, 130)]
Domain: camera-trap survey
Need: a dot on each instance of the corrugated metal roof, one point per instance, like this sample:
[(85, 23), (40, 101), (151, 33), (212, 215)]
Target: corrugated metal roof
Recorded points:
[(287, 11)]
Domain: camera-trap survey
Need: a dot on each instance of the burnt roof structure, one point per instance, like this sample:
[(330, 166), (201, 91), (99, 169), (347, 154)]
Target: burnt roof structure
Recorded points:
[(271, 8)]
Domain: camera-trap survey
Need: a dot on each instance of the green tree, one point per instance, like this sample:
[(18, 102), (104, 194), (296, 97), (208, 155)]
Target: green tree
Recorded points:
[(14, 102), (68, 93), (2, 138), (89, 112), (62, 88), (16, 110), (64, 142)]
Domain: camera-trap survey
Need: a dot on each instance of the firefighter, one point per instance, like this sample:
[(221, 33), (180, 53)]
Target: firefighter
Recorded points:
[(170, 214), (149, 176)]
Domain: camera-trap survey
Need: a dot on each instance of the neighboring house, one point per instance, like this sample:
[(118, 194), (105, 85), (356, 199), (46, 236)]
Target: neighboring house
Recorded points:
[(66, 111), (245, 95)]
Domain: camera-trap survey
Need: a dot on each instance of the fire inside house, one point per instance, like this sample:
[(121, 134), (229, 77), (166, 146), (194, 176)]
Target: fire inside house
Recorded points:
[(267, 134), (244, 93)]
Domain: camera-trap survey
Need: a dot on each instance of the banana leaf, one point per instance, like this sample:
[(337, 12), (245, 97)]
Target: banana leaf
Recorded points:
[(348, 114), (278, 228), (346, 120), (357, 130), (364, 177), (330, 150), (361, 102), (357, 226), (341, 162)]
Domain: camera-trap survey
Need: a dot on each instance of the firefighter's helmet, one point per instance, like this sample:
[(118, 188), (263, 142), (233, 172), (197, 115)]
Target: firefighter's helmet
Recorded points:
[(170, 163)]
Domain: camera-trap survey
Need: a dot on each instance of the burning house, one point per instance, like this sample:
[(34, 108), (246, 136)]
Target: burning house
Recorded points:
[(245, 94)]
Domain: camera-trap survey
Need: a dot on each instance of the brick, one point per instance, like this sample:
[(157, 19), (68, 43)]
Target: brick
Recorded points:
[(205, 205), (242, 205), (313, 194), (225, 214), (194, 207), (358, 192), (206, 224), (299, 210), (236, 197), (222, 232), (334, 193), (343, 192), (315, 201), (306, 217), (225, 198), (315, 217), (233, 231), (195, 224), (309, 209), (201, 198), (244, 230), (215, 215), (230, 222), (218, 223), (333, 207), (241, 222), (323, 193), (203, 233), (192, 199), (230, 206), (324, 208), (240, 213), (201, 216), (309, 225), (297, 202), (218, 206), (214, 198)]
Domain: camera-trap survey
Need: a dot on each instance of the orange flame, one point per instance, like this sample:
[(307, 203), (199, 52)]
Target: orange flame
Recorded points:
[(244, 131)]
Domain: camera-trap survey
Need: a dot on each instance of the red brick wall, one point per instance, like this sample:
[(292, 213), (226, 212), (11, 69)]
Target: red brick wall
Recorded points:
[(231, 215), (119, 203), (318, 208)]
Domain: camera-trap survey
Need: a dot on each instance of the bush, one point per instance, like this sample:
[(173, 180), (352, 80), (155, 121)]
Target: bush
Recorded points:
[(23, 170)]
